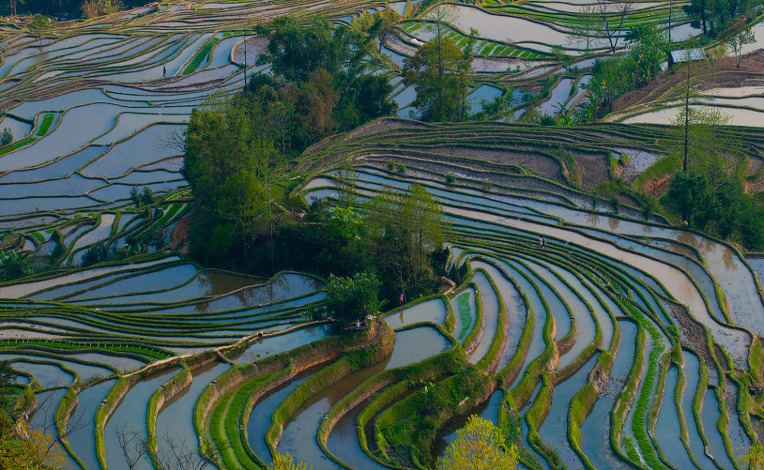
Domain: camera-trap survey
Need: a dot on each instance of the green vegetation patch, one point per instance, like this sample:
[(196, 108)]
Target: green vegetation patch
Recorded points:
[(200, 56), (46, 122)]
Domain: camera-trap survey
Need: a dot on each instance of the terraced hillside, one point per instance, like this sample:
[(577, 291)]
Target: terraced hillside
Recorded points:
[(594, 350)]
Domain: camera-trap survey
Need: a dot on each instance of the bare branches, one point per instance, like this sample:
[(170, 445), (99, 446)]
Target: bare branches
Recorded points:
[(172, 454), (613, 16), (134, 448)]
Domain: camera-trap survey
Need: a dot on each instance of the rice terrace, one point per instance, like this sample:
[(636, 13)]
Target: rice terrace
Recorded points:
[(370, 234)]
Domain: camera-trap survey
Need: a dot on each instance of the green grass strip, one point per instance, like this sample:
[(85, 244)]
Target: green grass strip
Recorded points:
[(46, 122), (225, 421), (18, 144), (200, 56), (465, 313)]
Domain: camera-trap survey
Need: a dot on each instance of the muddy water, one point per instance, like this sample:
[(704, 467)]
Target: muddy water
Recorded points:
[(160, 279), (595, 430), (260, 419), (735, 342), (584, 322), (276, 344), (758, 266), (48, 375), (22, 290), (502, 28), (539, 311), (734, 278), (343, 442), (554, 300), (710, 416), (667, 429), (175, 425), (299, 437), (433, 311), (553, 430), (515, 306), (130, 418), (47, 402), (490, 316), (81, 426), (725, 266), (692, 375), (559, 95)]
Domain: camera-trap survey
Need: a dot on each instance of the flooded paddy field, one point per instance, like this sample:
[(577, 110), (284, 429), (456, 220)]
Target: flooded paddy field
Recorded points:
[(653, 330)]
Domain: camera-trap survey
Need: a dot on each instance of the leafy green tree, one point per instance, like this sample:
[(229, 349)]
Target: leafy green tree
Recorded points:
[(7, 137), (315, 101), (24, 449), (439, 71), (14, 264), (384, 25), (286, 462), (754, 458), (738, 39), (427, 221), (697, 10), (326, 75), (478, 446), (230, 162), (687, 193), (352, 299), (707, 146), (645, 54), (618, 75), (408, 227), (295, 50), (714, 15)]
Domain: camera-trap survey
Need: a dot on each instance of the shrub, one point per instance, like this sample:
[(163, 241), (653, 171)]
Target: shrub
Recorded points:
[(351, 299), (6, 138)]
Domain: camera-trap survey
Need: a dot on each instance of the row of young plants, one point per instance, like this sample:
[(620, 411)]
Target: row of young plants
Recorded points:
[(530, 242), (637, 292)]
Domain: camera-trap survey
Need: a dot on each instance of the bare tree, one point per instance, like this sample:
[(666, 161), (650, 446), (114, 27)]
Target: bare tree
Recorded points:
[(586, 28), (133, 446), (172, 455), (737, 41), (178, 455), (613, 16)]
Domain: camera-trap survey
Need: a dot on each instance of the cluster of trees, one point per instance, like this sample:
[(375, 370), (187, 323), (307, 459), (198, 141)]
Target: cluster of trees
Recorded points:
[(244, 221), (322, 81), (708, 193), (439, 72), (237, 154), (714, 15), (396, 236), (617, 75)]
